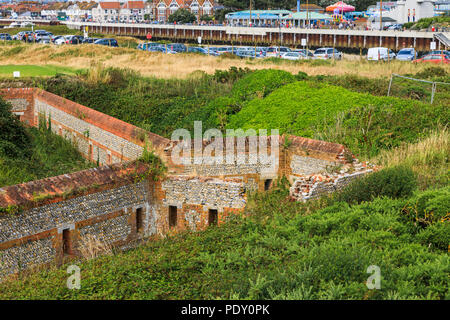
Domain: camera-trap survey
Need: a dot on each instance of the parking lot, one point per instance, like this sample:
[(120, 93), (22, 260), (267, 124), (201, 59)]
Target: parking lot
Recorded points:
[(249, 52)]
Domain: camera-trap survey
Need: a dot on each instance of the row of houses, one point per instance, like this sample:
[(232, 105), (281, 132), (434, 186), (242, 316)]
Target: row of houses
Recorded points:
[(123, 11)]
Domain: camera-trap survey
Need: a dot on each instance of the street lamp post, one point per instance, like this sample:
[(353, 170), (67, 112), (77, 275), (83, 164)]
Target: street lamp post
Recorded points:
[(279, 35)]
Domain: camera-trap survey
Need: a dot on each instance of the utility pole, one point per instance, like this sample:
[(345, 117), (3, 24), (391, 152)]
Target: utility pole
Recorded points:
[(279, 35), (307, 13), (250, 23), (381, 15)]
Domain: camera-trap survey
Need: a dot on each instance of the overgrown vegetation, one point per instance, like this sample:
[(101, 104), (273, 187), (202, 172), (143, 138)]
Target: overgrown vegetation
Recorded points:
[(396, 218), (277, 251), (28, 154), (156, 105), (425, 23)]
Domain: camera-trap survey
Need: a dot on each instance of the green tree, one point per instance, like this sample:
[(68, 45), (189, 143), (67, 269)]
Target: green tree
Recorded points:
[(182, 16), (206, 18), (14, 141)]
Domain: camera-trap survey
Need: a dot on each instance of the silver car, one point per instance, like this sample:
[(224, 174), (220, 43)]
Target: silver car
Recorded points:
[(327, 53), (293, 56)]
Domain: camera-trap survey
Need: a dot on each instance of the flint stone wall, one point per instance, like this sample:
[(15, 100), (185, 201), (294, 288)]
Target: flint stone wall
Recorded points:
[(19, 104), (105, 139), (26, 255), (74, 210), (306, 165), (215, 194)]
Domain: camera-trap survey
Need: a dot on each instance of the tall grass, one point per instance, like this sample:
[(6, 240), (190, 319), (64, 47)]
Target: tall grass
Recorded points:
[(51, 155), (429, 158), (182, 65)]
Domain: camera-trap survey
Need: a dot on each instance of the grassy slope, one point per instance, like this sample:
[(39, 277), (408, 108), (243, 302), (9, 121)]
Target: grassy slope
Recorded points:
[(278, 252), (51, 156), (363, 122), (284, 250), (34, 71)]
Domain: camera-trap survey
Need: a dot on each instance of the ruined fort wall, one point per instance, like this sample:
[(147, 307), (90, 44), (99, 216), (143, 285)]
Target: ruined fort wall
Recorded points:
[(115, 206), (98, 137)]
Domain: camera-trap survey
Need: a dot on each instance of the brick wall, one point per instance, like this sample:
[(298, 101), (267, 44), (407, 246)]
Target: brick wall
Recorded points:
[(99, 137), (113, 206)]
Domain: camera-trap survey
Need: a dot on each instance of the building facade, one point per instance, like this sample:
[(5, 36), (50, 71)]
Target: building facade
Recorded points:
[(164, 8)]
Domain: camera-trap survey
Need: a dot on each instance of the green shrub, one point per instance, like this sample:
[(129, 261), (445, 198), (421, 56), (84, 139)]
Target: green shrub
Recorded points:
[(230, 75), (364, 123), (429, 207), (301, 76), (260, 83), (431, 72), (437, 235), (14, 140), (395, 182)]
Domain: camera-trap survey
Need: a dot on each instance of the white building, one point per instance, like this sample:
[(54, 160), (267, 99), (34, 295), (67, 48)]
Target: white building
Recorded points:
[(106, 12), (411, 10)]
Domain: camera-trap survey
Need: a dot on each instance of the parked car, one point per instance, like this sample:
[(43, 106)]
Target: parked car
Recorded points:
[(162, 48), (395, 27), (146, 46), (222, 50), (407, 54), (26, 36), (107, 42), (434, 58), (177, 47), (446, 52), (89, 40), (43, 37), (5, 36), (293, 56), (202, 51), (277, 51), (58, 40), (249, 53), (20, 35), (74, 39), (327, 53), (305, 52), (380, 53)]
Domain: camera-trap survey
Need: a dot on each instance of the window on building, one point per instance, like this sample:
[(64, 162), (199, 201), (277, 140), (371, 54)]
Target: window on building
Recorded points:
[(140, 220), (213, 217), (172, 216)]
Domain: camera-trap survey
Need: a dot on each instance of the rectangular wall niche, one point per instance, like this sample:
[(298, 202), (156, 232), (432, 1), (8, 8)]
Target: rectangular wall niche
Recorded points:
[(172, 216), (66, 242), (213, 217), (139, 220)]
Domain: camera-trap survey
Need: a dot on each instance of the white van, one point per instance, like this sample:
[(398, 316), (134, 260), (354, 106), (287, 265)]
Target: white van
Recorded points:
[(380, 53)]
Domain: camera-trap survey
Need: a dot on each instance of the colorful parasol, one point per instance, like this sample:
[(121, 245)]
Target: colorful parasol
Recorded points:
[(340, 6)]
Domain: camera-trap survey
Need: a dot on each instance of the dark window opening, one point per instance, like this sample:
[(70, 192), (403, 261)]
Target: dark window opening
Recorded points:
[(139, 220), (66, 241), (267, 184), (90, 152), (213, 217), (172, 216)]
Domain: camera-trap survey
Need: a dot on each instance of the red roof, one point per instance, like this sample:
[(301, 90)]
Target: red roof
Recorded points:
[(110, 5), (134, 5)]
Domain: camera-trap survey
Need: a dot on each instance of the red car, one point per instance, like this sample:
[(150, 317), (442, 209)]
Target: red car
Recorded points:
[(434, 58)]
